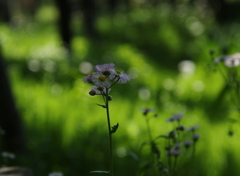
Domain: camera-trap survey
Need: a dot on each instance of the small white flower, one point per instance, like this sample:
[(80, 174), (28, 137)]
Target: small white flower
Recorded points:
[(98, 90), (229, 61), (99, 79), (88, 78), (232, 62), (55, 174), (147, 110), (104, 67), (187, 143), (8, 155), (119, 76), (196, 137), (174, 152), (193, 128), (175, 117)]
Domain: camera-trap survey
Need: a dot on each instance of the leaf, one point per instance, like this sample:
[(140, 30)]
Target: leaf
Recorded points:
[(102, 105), (114, 128), (99, 172)]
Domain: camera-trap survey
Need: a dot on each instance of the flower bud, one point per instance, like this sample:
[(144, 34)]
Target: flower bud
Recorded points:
[(109, 98), (92, 93), (196, 137), (180, 128), (188, 143)]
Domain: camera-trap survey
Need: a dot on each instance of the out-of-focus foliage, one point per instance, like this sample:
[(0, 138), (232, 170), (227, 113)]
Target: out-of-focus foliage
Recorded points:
[(164, 48)]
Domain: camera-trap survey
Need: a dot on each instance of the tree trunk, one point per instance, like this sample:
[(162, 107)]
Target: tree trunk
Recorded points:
[(64, 21), (89, 17), (10, 122), (5, 14)]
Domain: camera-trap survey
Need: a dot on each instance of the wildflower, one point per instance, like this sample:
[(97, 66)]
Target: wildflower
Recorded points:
[(55, 174), (105, 69), (119, 76), (229, 61), (165, 172), (100, 80), (196, 137), (232, 62), (174, 152), (98, 90), (180, 128), (187, 143), (193, 128), (172, 134), (109, 98), (175, 117), (104, 77), (92, 93), (147, 110), (88, 78), (8, 155), (177, 146)]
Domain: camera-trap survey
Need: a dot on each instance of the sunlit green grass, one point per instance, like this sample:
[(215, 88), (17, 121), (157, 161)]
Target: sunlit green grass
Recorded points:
[(67, 131)]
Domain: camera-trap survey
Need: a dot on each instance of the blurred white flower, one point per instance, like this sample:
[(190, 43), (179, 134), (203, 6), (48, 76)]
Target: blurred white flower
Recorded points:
[(186, 66), (120, 76), (229, 61), (55, 174), (175, 117), (8, 155)]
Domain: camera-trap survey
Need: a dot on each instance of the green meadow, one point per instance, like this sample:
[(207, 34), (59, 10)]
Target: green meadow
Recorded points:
[(168, 58)]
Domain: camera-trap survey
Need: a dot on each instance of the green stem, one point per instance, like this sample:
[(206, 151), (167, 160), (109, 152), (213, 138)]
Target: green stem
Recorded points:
[(110, 134), (149, 130), (174, 165)]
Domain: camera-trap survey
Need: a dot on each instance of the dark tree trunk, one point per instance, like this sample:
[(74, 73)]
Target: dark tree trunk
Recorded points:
[(64, 21), (10, 122), (89, 17), (5, 14), (113, 5), (225, 11)]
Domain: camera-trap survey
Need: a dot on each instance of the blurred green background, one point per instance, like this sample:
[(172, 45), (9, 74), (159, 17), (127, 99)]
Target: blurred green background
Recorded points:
[(163, 45)]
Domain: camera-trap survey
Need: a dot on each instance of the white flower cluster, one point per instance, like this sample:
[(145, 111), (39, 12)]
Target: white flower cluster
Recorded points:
[(104, 77), (229, 61)]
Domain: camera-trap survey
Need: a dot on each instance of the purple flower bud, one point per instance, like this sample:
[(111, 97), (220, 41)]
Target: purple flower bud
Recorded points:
[(196, 137), (180, 128), (188, 143), (109, 98), (92, 93)]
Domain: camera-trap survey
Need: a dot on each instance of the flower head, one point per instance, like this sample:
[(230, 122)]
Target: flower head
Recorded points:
[(105, 69), (232, 62), (88, 78), (229, 61), (104, 77), (195, 137), (99, 90), (147, 110), (193, 128), (187, 143), (99, 79), (175, 117), (119, 76)]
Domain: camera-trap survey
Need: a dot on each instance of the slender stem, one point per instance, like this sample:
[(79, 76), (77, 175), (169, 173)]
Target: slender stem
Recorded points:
[(110, 133), (175, 165), (149, 130)]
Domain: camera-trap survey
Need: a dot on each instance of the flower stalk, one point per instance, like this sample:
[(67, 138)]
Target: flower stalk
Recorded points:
[(103, 79)]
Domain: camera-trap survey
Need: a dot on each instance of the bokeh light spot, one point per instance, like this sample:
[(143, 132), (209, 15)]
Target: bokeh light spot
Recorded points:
[(85, 67)]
